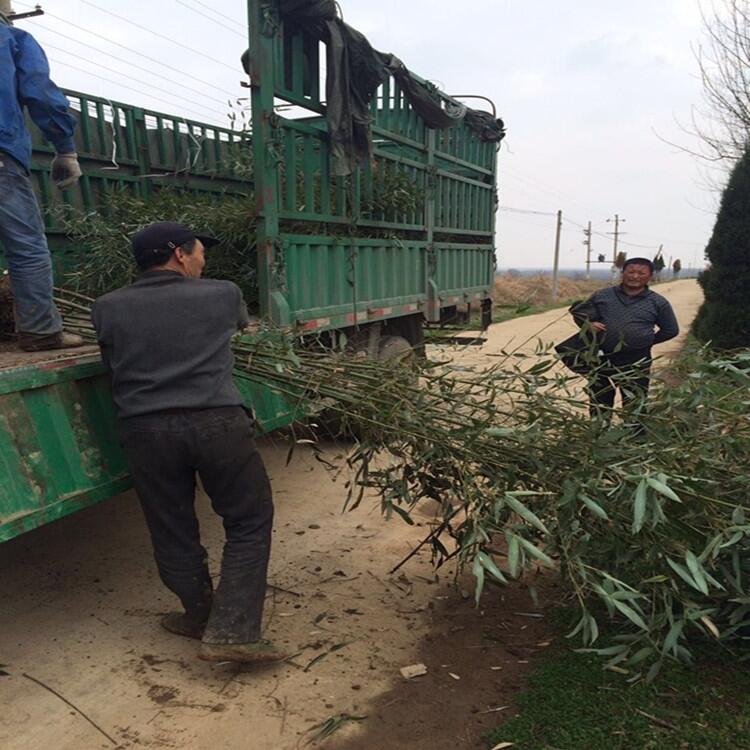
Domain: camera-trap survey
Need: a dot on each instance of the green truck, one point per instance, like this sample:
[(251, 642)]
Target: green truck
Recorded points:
[(329, 257)]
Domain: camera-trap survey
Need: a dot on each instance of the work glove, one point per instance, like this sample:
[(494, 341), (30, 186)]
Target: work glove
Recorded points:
[(65, 170)]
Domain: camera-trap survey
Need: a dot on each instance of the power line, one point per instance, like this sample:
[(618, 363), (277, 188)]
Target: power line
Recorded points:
[(181, 45), (535, 185), (213, 20), (139, 54), (223, 15), (525, 211), (99, 66), (123, 85), (567, 220), (127, 62)]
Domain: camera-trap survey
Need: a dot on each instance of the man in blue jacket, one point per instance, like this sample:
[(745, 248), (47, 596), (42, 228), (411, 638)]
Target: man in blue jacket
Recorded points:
[(25, 84)]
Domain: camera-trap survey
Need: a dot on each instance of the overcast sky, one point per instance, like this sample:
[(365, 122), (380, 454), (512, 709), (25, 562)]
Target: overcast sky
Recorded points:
[(585, 88)]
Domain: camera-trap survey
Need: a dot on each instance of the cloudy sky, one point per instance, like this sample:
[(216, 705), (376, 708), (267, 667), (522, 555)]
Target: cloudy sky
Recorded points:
[(589, 91)]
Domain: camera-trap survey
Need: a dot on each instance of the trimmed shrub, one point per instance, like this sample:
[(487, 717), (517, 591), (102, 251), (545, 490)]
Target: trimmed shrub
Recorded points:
[(724, 316)]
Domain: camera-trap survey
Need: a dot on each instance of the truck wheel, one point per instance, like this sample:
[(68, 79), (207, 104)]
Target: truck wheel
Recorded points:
[(397, 350)]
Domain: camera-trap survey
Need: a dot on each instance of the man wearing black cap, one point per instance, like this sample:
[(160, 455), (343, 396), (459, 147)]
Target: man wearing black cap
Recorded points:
[(630, 319), (166, 340)]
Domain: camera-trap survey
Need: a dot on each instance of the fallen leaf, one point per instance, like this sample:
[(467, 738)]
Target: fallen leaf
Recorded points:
[(503, 745), (711, 627), (454, 675)]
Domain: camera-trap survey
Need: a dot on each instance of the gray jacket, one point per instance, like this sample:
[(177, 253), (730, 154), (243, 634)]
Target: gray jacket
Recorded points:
[(639, 321), (166, 340)]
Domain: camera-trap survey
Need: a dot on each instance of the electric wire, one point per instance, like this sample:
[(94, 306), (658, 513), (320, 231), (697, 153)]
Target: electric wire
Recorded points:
[(511, 209), (181, 45), (130, 64), (223, 15), (180, 101), (122, 85), (213, 20), (211, 85)]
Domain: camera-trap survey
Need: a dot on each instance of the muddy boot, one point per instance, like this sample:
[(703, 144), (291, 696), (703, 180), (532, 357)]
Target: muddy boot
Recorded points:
[(33, 342), (254, 652), (180, 624)]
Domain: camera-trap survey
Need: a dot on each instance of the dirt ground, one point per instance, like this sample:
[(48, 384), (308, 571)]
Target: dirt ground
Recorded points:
[(84, 664)]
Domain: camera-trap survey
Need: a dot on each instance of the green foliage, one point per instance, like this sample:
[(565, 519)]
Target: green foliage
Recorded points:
[(724, 317), (572, 704), (648, 530), (104, 235)]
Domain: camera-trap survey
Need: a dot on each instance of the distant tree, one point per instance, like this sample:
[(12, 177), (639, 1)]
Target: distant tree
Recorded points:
[(658, 265), (724, 317), (676, 267)]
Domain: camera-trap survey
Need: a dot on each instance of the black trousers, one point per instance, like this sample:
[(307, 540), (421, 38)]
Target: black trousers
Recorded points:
[(628, 372), (165, 451)]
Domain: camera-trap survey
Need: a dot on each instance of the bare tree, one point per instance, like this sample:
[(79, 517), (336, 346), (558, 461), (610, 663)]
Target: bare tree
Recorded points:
[(723, 127)]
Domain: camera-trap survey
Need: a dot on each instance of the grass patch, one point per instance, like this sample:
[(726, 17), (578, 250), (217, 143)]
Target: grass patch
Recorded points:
[(573, 704)]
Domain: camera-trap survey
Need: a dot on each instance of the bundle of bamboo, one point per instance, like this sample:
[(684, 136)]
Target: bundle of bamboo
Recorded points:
[(648, 529)]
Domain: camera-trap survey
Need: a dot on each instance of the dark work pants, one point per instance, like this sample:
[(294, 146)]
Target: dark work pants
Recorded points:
[(165, 451), (628, 372)]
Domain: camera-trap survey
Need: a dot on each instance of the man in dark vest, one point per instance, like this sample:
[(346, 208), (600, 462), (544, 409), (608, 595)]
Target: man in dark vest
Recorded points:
[(166, 340)]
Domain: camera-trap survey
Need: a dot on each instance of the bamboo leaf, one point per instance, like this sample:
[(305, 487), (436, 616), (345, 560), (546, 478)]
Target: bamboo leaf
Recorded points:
[(639, 506), (673, 636), (639, 656), (683, 573), (536, 552), (478, 572), (709, 623), (663, 489), (696, 570), (514, 555), (518, 507), (489, 564), (653, 671), (594, 507), (631, 614)]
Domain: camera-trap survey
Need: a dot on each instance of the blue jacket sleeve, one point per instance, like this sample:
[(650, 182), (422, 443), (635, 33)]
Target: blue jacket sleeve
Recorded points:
[(47, 105)]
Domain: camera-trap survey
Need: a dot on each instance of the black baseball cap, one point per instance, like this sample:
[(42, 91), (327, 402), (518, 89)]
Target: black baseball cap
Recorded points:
[(165, 235), (640, 262)]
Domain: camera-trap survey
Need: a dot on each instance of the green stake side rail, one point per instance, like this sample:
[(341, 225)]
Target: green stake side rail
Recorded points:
[(59, 450), (324, 282)]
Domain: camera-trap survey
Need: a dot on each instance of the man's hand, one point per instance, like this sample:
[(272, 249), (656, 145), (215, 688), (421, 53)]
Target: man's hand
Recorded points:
[(65, 170), (597, 326)]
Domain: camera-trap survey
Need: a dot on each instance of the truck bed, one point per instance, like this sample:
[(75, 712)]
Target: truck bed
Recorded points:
[(11, 357)]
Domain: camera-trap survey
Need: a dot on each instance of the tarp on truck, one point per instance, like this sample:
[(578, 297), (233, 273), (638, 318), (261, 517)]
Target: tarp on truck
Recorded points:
[(355, 70)]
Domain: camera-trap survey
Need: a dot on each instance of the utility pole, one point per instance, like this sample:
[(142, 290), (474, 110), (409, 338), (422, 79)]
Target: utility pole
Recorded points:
[(587, 242), (556, 264), (616, 234), (6, 10)]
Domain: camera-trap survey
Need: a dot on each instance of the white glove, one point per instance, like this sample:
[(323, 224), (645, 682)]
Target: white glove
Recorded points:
[(65, 170)]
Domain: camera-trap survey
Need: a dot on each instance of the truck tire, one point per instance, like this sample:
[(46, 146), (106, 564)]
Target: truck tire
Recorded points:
[(396, 349)]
